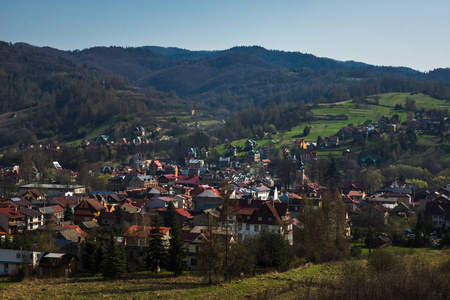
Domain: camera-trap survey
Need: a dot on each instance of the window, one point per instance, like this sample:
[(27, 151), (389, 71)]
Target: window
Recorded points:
[(256, 227), (259, 218), (18, 255), (270, 219), (193, 261), (248, 217), (197, 248)]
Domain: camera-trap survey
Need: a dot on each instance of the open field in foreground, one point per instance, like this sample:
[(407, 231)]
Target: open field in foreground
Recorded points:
[(301, 283)]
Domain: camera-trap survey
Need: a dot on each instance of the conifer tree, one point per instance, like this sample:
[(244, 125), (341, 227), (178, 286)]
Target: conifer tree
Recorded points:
[(156, 255), (93, 257), (68, 213), (176, 252), (115, 261)]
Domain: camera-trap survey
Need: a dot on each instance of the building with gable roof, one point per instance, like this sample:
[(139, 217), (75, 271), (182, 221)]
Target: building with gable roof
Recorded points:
[(88, 210)]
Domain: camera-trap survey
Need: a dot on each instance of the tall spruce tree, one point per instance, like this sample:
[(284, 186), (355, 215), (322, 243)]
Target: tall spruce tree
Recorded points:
[(68, 213), (115, 261), (156, 253), (176, 252)]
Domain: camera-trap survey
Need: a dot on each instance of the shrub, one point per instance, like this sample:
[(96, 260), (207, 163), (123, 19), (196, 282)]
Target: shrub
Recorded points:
[(19, 273), (355, 251), (383, 261)]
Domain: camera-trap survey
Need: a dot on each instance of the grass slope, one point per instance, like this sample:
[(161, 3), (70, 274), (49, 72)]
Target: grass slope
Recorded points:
[(357, 114), (287, 285)]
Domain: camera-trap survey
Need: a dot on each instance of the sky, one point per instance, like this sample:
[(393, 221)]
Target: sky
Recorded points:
[(411, 33)]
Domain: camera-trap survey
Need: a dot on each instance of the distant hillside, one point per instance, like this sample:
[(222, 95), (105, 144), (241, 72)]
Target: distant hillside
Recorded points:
[(46, 95), (70, 93), (245, 76)]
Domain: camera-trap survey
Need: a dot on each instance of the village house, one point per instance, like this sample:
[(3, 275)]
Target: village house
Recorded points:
[(300, 144), (88, 210), (136, 240), (58, 265), (207, 199), (11, 220), (251, 218), (440, 214), (167, 180), (154, 167), (142, 182), (34, 218), (13, 258), (193, 242), (253, 156), (52, 213), (33, 195), (119, 183), (163, 202), (54, 190)]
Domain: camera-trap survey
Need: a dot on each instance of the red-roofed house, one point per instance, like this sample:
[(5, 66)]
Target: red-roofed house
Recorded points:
[(167, 179), (188, 180), (193, 243), (249, 221), (136, 243), (155, 166), (11, 220)]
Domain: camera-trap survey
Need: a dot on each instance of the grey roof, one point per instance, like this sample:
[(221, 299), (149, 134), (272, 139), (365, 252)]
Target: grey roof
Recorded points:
[(54, 255), (30, 212), (71, 235), (90, 224)]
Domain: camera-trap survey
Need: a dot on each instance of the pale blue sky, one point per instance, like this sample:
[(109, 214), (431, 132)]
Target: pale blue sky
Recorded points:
[(409, 33)]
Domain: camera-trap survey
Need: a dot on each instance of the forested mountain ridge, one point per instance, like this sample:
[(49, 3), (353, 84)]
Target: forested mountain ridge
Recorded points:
[(242, 77), (44, 96), (67, 94)]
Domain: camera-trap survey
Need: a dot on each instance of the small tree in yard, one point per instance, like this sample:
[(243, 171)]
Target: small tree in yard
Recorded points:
[(115, 261), (177, 252), (212, 256), (157, 253)]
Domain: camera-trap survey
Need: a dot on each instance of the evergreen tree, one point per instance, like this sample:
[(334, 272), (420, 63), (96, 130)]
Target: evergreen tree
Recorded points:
[(119, 226), (272, 250), (170, 215), (306, 130), (115, 261), (93, 257), (157, 253), (332, 174), (68, 213), (176, 252), (22, 241)]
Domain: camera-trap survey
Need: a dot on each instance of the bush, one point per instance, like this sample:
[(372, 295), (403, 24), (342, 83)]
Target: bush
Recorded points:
[(19, 273), (383, 261), (355, 251)]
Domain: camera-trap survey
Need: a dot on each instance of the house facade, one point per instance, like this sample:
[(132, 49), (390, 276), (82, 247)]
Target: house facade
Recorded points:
[(11, 259)]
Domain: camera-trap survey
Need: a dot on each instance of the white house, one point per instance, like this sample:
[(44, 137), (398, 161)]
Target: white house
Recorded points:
[(34, 218), (10, 259), (162, 202)]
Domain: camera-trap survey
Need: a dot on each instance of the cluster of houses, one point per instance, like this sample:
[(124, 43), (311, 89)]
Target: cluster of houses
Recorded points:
[(197, 191)]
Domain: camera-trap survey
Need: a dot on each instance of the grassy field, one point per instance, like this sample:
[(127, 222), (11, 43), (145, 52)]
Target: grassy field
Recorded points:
[(357, 114), (287, 285)]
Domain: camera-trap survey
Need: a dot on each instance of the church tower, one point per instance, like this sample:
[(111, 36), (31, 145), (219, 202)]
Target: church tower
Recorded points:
[(300, 172)]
